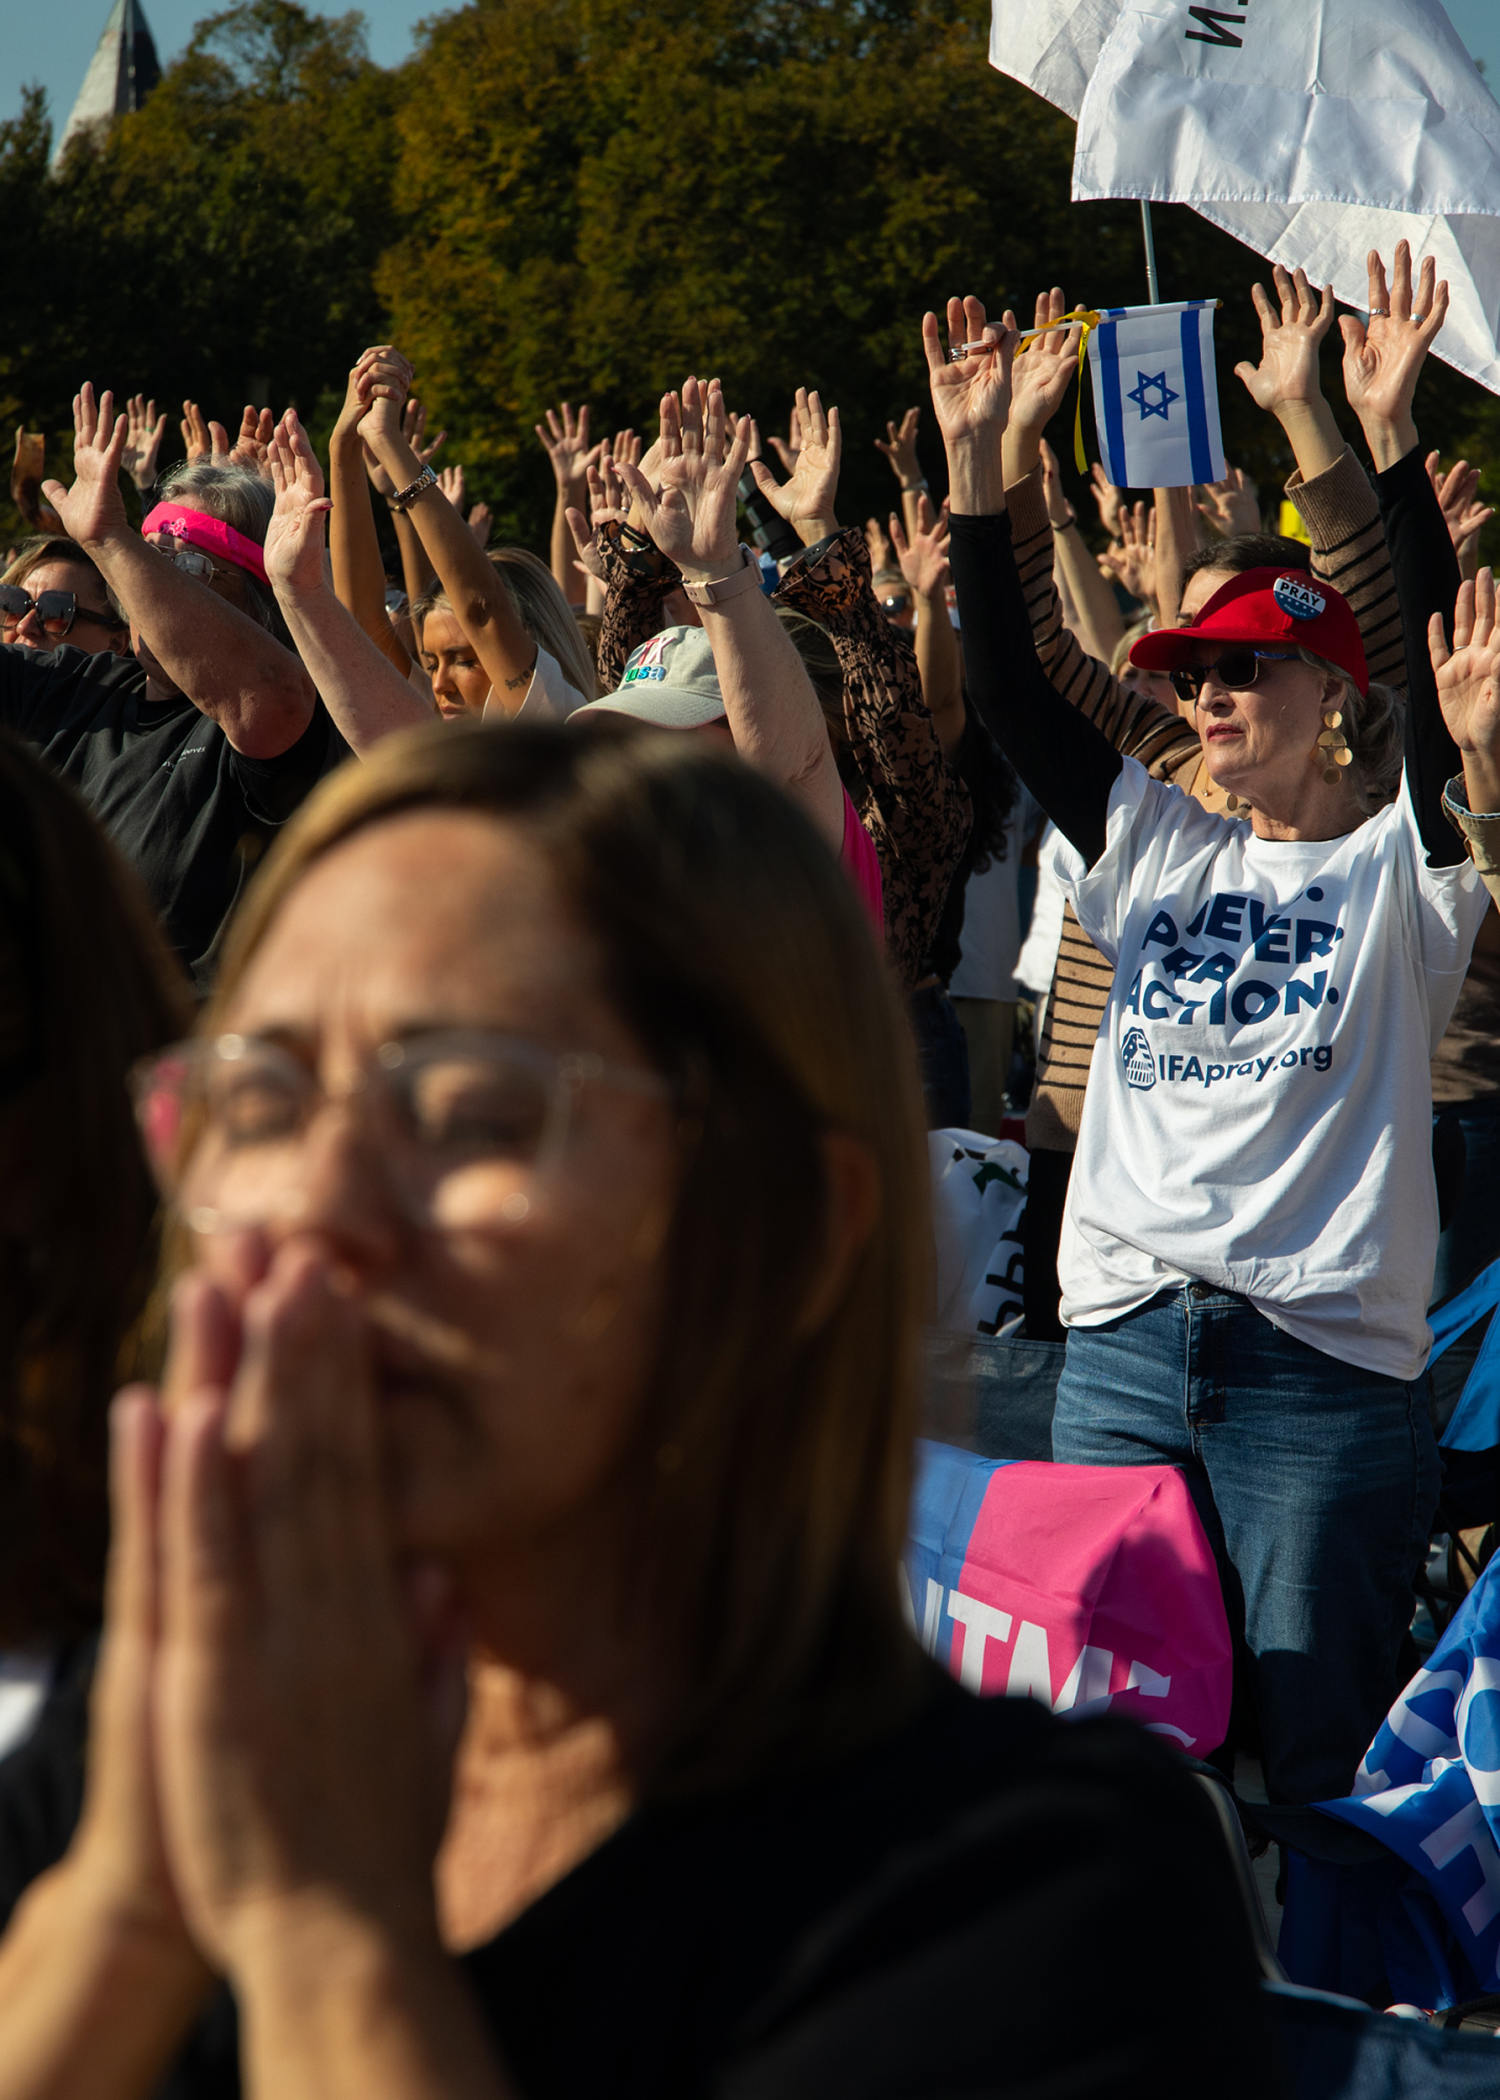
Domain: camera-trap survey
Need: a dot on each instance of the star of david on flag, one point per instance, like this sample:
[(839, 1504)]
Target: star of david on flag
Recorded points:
[(1163, 430), (1145, 386)]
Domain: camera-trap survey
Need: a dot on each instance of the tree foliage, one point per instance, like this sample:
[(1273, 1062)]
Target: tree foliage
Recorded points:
[(217, 243), (591, 199)]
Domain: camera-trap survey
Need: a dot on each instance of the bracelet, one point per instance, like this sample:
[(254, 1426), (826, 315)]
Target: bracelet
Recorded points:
[(916, 488), (635, 542), (715, 589), (405, 498)]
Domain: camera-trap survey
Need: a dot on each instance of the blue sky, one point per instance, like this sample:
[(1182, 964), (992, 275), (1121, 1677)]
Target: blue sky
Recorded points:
[(52, 44)]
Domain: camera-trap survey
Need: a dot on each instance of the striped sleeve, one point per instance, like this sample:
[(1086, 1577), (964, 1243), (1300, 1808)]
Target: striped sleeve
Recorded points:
[(1136, 724), (1341, 511)]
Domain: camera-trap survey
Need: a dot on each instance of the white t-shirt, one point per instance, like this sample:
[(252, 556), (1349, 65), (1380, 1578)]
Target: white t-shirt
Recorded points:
[(991, 939), (1258, 1113), (1038, 957)]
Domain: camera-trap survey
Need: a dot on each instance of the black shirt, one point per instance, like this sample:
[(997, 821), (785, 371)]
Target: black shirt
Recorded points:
[(990, 1901), (190, 811)]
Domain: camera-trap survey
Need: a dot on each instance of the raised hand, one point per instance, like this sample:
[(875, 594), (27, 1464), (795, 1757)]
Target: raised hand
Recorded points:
[(1384, 354), (806, 498), (1468, 674), (451, 482), (609, 508), (971, 400), (693, 519), (196, 442), (1457, 492), (203, 439), (1131, 559), (481, 522), (878, 545), (1061, 515), (900, 448), (1045, 367), (1231, 505), (414, 430), (252, 447), (565, 440), (1292, 327), (143, 436), (93, 509), (296, 536), (923, 555), (381, 375), (787, 448), (1108, 499)]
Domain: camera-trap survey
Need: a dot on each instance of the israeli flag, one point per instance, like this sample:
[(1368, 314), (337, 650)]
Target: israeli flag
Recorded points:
[(1429, 1787), (1156, 401)]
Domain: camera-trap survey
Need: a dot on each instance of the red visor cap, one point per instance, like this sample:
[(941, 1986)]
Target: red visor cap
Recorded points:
[(1264, 605)]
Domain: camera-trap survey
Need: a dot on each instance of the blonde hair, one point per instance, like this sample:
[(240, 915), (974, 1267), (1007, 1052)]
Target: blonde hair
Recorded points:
[(45, 547), (770, 1474), (541, 609)]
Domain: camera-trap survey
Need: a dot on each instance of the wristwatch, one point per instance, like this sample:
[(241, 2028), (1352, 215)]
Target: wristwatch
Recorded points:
[(403, 499), (713, 590)]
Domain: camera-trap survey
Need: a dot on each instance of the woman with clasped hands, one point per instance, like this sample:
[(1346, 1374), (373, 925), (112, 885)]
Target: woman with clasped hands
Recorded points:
[(552, 1177), (1251, 1224)]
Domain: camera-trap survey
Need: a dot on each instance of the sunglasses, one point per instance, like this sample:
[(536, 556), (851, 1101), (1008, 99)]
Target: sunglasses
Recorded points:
[(1238, 669), (55, 610)]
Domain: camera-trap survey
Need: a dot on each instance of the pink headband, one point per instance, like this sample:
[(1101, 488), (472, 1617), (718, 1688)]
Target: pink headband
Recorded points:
[(211, 534)]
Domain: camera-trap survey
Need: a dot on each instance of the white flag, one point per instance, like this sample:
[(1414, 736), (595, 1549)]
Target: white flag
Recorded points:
[(1156, 404), (1312, 130)]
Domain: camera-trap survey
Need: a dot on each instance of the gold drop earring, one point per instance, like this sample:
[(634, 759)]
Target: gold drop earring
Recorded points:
[(1331, 751)]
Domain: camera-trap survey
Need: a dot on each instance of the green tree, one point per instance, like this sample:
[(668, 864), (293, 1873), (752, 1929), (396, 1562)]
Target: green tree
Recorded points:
[(220, 242)]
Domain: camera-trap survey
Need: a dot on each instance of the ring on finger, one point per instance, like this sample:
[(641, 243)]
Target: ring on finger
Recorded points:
[(1380, 313)]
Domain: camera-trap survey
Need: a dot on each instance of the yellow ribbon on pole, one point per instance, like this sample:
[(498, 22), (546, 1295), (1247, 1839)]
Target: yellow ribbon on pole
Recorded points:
[(1087, 317)]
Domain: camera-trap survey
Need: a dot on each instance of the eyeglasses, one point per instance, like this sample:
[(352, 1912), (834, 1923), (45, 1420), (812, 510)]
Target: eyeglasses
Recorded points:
[(189, 560), (55, 610), (1237, 668), (466, 1125)]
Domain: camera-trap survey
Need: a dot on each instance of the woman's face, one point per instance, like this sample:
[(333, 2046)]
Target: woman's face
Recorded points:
[(459, 686), (95, 629), (1259, 740), (511, 1352)]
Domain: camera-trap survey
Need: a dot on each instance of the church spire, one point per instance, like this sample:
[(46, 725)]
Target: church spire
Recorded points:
[(121, 74)]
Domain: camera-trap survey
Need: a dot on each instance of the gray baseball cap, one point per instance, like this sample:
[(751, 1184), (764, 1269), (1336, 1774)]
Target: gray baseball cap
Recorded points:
[(670, 681)]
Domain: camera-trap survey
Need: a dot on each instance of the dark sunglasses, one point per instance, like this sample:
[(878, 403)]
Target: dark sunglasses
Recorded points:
[(1238, 669), (55, 610)]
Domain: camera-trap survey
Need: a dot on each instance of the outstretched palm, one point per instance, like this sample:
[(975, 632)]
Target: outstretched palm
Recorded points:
[(93, 507), (1383, 355), (1044, 366), (971, 397), (693, 516), (295, 537), (1292, 328), (1468, 675), (807, 497)]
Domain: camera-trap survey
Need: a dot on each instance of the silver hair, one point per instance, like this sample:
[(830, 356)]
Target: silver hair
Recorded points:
[(1375, 725), (239, 497)]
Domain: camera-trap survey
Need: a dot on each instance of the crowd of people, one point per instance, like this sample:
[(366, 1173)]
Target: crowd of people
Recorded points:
[(468, 1198)]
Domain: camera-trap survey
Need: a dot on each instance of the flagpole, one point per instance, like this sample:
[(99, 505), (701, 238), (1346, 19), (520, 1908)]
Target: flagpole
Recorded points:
[(1153, 289)]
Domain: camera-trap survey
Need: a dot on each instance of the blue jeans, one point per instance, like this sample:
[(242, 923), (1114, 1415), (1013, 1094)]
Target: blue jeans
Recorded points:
[(1316, 1483)]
